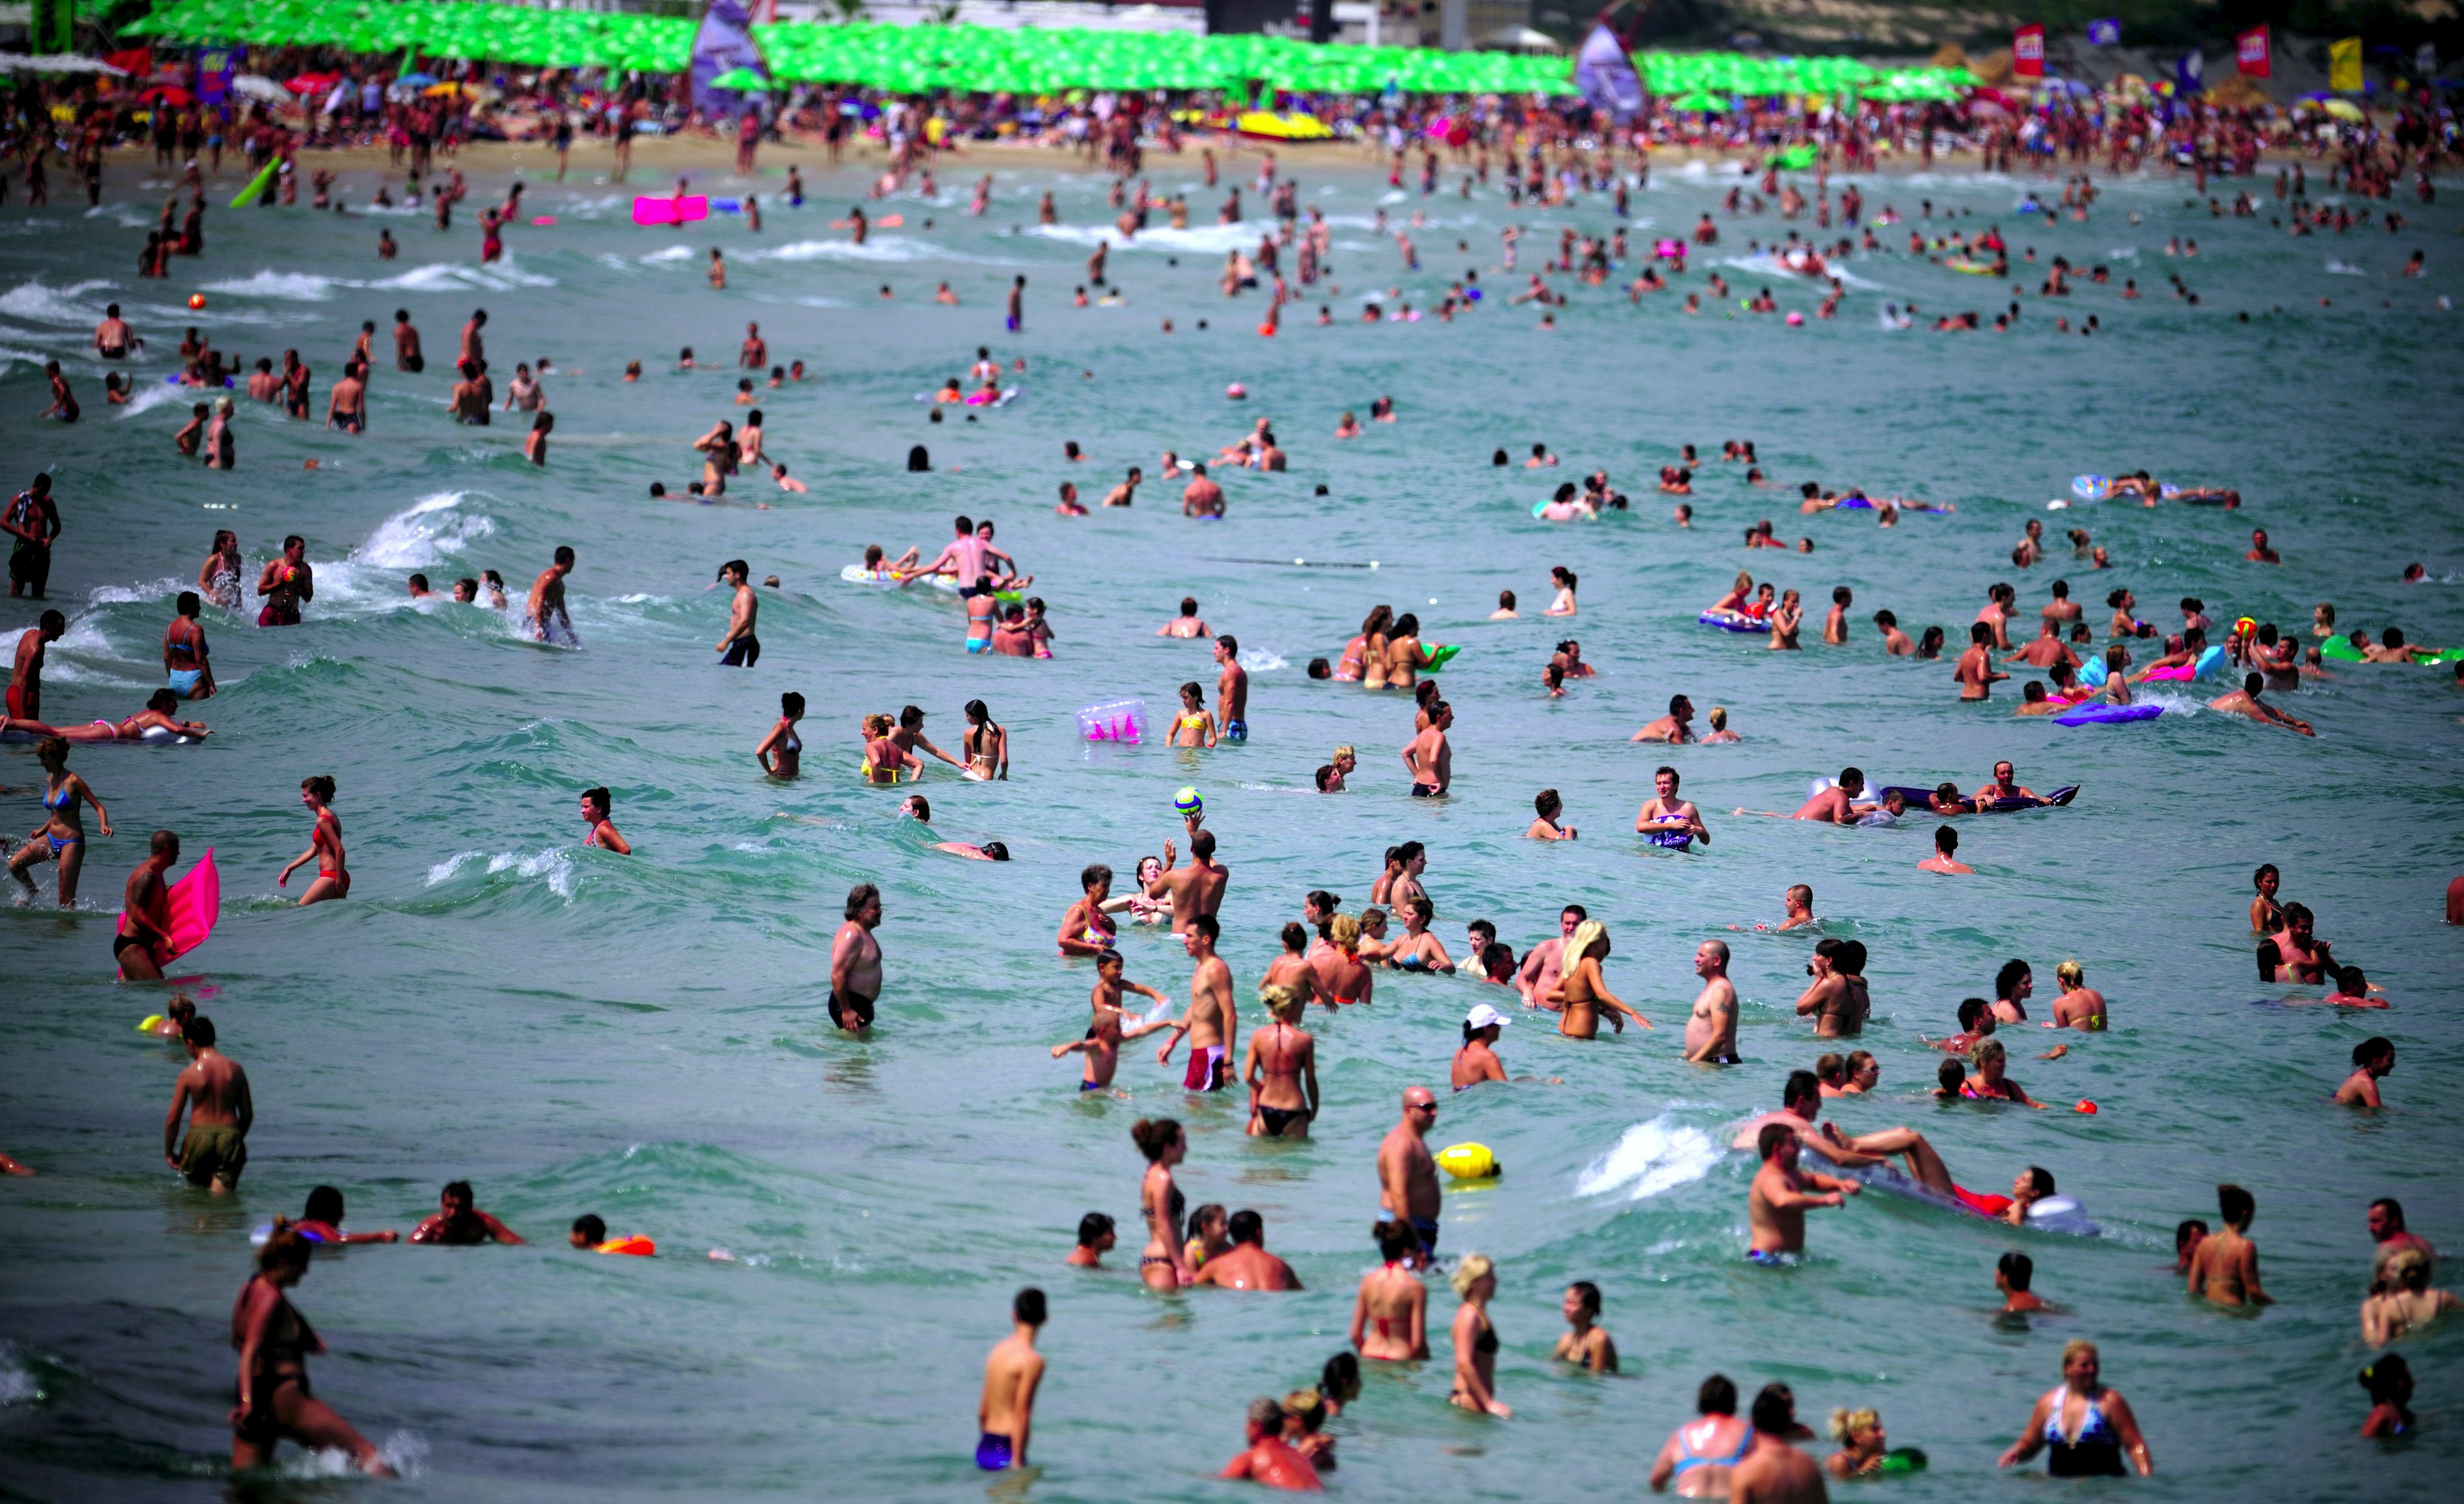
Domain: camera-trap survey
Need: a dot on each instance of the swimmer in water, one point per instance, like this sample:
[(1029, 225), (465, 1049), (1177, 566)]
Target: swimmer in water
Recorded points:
[(1188, 624), (1945, 854), (1711, 1028), (1582, 993), (1667, 821), (1105, 1036), (2245, 702), (2095, 1442), (324, 845), (2225, 1268), (2080, 1007), (274, 1341), (1195, 725), (1781, 1194), (1698, 1455), (1674, 727), (544, 614), (1281, 1070), (596, 804), (780, 754), (2373, 1058), (1475, 1339), (61, 838), (1547, 806), (1005, 1414), (1585, 1342)]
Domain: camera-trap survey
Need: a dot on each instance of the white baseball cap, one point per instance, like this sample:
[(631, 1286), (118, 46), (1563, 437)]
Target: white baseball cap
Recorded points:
[(1482, 1016)]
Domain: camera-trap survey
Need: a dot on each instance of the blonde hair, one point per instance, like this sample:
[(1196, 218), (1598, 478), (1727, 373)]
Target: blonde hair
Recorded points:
[(1847, 1422), (2075, 1346), (2408, 1269), (1469, 1270), (1344, 751), (1745, 580), (1344, 931), (2070, 974), (876, 724), (1719, 718), (1279, 999), (1589, 933)]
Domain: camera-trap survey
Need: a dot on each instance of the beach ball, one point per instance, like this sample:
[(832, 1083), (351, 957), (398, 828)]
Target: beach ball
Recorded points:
[(196, 299), (1236, 391), (1188, 802)]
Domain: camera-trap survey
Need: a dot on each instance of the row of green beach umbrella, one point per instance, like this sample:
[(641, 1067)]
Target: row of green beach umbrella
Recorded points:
[(925, 60)]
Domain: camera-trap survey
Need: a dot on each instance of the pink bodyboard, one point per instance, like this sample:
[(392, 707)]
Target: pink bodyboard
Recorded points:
[(192, 904), (670, 211)]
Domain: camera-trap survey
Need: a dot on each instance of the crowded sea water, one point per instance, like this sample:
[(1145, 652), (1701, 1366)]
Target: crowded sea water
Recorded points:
[(807, 1054)]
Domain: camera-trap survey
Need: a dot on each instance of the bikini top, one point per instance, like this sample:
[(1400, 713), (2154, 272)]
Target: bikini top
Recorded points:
[(1487, 1342), (64, 799), (2094, 1431), (794, 742), (1194, 721), (1690, 1457), (1174, 1204)]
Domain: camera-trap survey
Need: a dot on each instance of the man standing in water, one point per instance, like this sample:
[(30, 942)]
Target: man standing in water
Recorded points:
[(1975, 672), (213, 1092), (474, 350), (286, 584), (1212, 1024), (144, 912), (1544, 962), (405, 343), (1711, 1029), (855, 960), (1232, 690), (1006, 1412), (1407, 1175), (1201, 497), (1430, 758), (1778, 1202), (739, 648), (34, 520), (1197, 890), (544, 615), (26, 672)]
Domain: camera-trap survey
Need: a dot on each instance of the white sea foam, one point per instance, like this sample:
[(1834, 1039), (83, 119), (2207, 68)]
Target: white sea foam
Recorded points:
[(1195, 240), (880, 248), (1767, 264), (2343, 269), (671, 253), (424, 535), (17, 1383), (1649, 1159), (294, 286), (41, 304)]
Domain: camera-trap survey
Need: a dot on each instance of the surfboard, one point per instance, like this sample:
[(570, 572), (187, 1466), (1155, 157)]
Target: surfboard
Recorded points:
[(257, 185)]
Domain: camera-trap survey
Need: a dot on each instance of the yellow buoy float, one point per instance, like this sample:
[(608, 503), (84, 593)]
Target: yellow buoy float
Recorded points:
[(1469, 1161)]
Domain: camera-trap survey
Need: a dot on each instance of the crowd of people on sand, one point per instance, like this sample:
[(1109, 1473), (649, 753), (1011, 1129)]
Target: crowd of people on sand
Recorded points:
[(1330, 959)]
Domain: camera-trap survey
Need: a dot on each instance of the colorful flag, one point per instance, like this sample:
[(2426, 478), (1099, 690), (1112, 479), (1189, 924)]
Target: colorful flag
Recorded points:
[(2106, 33), (2028, 51), (1604, 70), (2250, 52), (724, 42), (2344, 65)]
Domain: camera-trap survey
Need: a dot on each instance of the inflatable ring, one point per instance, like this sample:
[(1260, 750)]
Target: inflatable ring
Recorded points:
[(638, 1246)]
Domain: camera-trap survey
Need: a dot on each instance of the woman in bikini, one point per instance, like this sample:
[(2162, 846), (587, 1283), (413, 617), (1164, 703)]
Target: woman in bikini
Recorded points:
[(1475, 1279), (1350, 668), (1281, 1070), (1563, 579), (61, 838), (218, 577), (2266, 915), (324, 845), (986, 744), (273, 1342), (1372, 649), (1786, 619), (1141, 909), (1195, 725), (1739, 594), (1341, 976), (1990, 1084), (1162, 1265), (1389, 1315), (1583, 992), (1405, 658), (2088, 1428), (882, 757), (781, 753), (155, 716)]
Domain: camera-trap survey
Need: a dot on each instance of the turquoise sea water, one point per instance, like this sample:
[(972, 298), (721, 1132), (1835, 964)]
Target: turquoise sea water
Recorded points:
[(645, 1039)]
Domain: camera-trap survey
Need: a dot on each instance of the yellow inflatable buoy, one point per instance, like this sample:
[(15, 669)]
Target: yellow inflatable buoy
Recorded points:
[(149, 1023), (638, 1246), (1469, 1161)]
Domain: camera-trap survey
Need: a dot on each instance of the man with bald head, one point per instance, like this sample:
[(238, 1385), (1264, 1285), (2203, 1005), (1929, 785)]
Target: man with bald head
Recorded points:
[(1407, 1176)]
